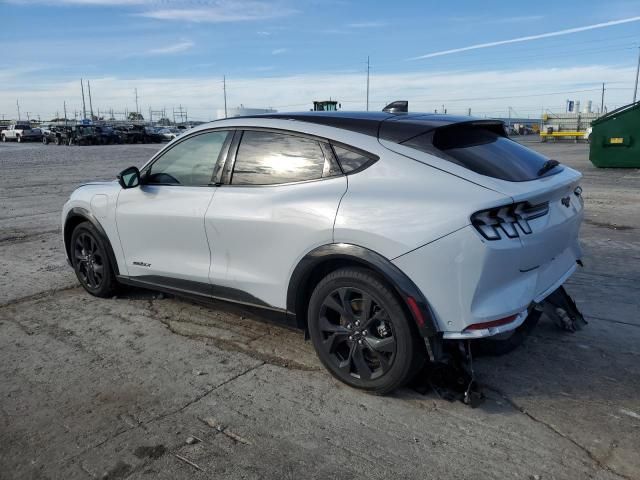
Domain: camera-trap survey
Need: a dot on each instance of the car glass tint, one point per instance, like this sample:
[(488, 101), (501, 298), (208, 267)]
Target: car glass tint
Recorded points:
[(189, 163), (350, 160), (484, 151), (267, 158)]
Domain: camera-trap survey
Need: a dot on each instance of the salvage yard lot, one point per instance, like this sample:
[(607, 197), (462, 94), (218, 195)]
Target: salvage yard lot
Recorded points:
[(93, 388)]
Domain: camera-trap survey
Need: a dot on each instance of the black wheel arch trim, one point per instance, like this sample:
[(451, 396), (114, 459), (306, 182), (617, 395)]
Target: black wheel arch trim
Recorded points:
[(86, 215), (415, 302)]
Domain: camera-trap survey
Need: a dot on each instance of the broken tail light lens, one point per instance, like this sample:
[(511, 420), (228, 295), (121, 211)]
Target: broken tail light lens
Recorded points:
[(509, 220)]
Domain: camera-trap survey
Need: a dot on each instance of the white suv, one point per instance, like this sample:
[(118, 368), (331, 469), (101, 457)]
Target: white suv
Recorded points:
[(383, 236)]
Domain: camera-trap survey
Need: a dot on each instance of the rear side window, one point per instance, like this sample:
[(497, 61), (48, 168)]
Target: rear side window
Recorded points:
[(350, 160), (268, 158), (484, 151)]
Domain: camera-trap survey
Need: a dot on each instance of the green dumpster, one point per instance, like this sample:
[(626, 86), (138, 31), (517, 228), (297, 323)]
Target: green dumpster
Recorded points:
[(615, 138)]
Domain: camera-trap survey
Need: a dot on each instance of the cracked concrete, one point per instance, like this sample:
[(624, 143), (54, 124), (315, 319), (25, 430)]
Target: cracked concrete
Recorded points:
[(86, 385)]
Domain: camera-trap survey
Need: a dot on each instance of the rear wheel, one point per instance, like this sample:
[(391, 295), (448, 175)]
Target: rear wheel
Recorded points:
[(45, 140), (361, 333), (58, 141), (18, 138), (90, 261), (4, 138)]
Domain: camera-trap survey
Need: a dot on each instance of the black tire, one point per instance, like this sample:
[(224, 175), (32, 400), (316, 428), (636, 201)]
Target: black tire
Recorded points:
[(58, 141), (496, 346), (18, 138), (90, 261), (70, 142), (377, 350), (45, 140), (4, 138)]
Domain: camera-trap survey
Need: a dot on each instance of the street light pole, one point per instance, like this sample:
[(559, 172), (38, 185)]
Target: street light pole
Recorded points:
[(635, 90), (367, 83)]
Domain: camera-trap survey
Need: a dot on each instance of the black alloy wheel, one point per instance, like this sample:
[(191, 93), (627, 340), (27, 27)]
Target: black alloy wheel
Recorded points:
[(361, 333), (357, 334), (90, 261)]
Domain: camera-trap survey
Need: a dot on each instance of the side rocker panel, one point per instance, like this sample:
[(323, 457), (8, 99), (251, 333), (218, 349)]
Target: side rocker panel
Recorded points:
[(412, 297)]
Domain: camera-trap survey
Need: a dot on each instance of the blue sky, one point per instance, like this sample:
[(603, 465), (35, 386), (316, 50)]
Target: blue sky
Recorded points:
[(284, 54)]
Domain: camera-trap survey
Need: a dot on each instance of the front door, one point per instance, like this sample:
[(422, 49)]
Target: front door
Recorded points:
[(161, 223)]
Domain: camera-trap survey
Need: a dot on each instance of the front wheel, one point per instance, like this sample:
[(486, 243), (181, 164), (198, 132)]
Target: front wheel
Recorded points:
[(90, 261), (19, 138), (45, 140), (361, 333), (4, 138)]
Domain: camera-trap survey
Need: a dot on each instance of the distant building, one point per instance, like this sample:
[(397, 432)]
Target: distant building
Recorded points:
[(242, 111)]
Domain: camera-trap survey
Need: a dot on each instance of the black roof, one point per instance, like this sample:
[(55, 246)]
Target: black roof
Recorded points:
[(387, 126)]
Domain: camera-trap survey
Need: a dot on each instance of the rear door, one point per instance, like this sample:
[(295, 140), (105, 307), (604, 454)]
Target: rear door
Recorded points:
[(161, 223), (279, 200)]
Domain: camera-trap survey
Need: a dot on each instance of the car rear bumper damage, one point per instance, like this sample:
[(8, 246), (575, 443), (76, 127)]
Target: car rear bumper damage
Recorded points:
[(478, 288)]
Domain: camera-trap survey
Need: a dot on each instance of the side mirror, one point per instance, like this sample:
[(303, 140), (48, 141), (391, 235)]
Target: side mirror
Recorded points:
[(129, 177)]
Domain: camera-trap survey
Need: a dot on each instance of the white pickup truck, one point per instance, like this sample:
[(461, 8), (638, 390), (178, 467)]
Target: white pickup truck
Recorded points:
[(21, 132)]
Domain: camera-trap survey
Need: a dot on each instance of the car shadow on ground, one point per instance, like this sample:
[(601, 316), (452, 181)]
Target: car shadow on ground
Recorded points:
[(551, 366)]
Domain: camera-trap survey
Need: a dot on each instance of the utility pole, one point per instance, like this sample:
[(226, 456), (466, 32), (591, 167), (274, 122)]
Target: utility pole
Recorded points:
[(602, 101), (90, 102), (368, 83), (64, 103), (224, 89), (635, 90), (136, 91), (509, 117), (84, 108), (469, 112), (18, 105)]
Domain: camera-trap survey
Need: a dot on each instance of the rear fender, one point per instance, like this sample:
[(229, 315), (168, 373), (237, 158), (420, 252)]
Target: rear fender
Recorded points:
[(304, 278)]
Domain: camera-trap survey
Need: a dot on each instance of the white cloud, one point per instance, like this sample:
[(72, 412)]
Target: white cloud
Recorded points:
[(528, 38), (279, 51), (369, 24), (489, 93), (176, 48), (220, 11)]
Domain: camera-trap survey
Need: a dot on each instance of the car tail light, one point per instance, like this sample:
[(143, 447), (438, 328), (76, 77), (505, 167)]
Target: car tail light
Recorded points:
[(493, 323), (510, 220)]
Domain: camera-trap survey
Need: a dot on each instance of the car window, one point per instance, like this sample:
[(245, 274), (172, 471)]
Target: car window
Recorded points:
[(189, 163), (267, 158), (350, 160)]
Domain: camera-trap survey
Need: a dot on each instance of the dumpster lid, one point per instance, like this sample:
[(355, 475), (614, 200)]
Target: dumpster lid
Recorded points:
[(616, 112)]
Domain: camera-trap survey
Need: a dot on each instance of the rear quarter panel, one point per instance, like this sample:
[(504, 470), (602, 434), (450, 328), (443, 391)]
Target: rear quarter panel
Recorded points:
[(399, 204)]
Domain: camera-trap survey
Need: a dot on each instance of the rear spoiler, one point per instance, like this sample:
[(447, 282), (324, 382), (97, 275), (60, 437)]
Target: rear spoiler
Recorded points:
[(399, 106)]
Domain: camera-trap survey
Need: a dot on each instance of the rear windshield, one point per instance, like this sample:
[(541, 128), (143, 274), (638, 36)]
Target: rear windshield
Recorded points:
[(23, 127), (484, 151)]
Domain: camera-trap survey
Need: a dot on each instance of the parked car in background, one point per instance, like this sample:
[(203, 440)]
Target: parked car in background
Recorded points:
[(170, 133), (21, 132), (56, 135), (81, 135), (106, 135)]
